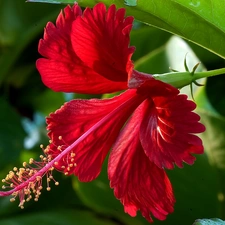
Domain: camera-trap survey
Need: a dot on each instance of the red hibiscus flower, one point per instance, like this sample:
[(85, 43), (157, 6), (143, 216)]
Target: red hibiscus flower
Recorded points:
[(146, 129)]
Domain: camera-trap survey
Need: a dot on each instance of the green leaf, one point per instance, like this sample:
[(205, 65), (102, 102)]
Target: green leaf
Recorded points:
[(58, 217), (147, 39), (12, 134), (196, 188), (198, 21), (55, 100), (209, 222), (214, 141), (171, 55), (20, 23), (214, 137)]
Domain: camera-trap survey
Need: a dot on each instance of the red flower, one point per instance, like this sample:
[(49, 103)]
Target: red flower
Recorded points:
[(149, 127), (77, 60)]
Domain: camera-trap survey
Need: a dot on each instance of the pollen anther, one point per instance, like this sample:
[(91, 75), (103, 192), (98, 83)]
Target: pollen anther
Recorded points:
[(31, 176)]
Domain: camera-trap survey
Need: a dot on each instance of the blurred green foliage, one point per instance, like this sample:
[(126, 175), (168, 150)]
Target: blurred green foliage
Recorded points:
[(25, 101)]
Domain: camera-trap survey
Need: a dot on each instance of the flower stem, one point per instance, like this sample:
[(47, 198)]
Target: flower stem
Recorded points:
[(181, 79), (211, 73)]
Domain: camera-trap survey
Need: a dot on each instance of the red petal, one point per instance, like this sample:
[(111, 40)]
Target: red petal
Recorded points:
[(104, 117), (101, 39), (137, 182), (168, 128), (62, 69)]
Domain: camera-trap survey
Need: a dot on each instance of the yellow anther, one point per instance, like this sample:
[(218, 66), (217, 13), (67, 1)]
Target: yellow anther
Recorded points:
[(56, 163), (31, 160), (41, 146), (75, 164), (57, 183), (71, 165), (63, 167), (60, 138), (31, 172), (72, 154), (28, 198), (41, 156), (15, 193), (3, 180), (22, 170), (66, 173), (11, 175), (12, 199), (24, 164), (3, 187), (38, 193), (11, 185), (21, 204), (15, 169), (27, 192), (38, 178), (48, 189), (46, 150)]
